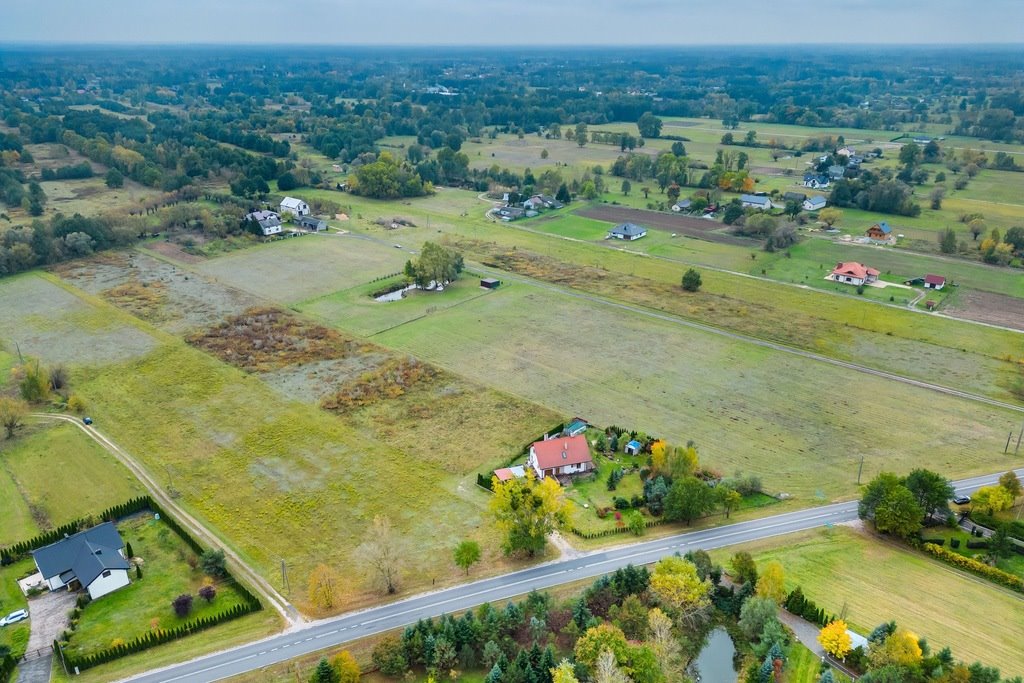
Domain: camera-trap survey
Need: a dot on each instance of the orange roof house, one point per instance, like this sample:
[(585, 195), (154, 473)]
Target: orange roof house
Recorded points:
[(561, 456), (853, 273)]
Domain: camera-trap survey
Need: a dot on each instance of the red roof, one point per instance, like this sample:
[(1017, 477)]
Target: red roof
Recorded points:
[(854, 269), (571, 450), (504, 474), (934, 280)]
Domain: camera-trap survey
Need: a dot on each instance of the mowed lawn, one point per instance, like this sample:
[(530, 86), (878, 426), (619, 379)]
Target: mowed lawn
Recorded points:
[(801, 425), (51, 474), (876, 581), (296, 269)]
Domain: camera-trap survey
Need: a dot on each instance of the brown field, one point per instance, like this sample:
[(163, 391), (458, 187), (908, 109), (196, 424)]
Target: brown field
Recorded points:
[(687, 225), (265, 338), (987, 307)]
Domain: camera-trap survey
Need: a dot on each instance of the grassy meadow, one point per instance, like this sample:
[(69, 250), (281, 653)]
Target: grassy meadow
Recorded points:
[(51, 474), (736, 400), (873, 581)]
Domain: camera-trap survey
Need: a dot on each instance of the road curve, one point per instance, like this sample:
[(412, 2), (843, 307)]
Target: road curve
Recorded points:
[(238, 566), (338, 630)]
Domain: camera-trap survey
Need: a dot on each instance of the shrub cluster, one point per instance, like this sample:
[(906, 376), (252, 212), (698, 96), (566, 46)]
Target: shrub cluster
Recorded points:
[(975, 567), (801, 606)]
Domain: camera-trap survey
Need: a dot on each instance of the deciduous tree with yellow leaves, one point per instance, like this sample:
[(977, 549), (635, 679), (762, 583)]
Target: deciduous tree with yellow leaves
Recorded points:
[(526, 511), (835, 639), (679, 588), (771, 582)]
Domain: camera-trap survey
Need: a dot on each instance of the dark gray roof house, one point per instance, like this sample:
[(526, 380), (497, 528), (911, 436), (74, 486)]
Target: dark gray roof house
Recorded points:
[(91, 559), (797, 197), (836, 172), (627, 231)]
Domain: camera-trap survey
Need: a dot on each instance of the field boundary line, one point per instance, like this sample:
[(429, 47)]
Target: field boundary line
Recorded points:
[(268, 592)]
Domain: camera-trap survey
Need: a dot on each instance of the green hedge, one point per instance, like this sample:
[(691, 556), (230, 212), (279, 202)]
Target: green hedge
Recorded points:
[(800, 605), (7, 665), (154, 638), (975, 567), (18, 550), (15, 552), (1014, 528)]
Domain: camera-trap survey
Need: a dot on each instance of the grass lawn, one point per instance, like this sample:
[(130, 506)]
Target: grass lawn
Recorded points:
[(786, 423), (146, 603), (366, 317), (37, 492), (872, 581), (11, 598), (293, 270), (803, 666)]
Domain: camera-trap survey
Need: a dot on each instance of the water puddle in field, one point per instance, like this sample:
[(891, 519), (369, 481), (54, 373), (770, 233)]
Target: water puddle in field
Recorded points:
[(396, 295)]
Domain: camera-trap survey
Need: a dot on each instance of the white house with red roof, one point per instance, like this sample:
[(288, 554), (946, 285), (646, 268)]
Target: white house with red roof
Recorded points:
[(853, 273), (564, 455)]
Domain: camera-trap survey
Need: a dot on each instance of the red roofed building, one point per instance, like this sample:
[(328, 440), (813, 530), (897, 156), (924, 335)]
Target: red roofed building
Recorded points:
[(853, 273), (565, 455), (934, 282)]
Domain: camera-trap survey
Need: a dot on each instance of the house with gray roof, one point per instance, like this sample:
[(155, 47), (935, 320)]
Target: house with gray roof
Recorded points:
[(816, 180), (312, 224), (756, 201), (269, 222), (92, 559), (836, 172), (627, 231), (815, 203)]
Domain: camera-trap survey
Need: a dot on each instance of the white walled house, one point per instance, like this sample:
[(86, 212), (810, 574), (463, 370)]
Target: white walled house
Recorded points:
[(296, 207), (269, 222), (92, 559), (564, 455)]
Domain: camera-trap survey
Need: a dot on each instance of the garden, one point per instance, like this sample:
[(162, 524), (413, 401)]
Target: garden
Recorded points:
[(171, 586)]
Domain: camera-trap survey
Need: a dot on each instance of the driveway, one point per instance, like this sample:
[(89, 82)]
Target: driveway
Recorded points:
[(48, 617)]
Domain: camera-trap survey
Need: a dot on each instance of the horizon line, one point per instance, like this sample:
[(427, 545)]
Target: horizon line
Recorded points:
[(494, 46)]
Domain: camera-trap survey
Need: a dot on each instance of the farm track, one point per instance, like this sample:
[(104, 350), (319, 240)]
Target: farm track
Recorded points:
[(239, 566), (754, 340)]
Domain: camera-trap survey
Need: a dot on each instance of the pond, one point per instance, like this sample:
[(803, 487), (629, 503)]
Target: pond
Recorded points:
[(396, 295), (714, 664)]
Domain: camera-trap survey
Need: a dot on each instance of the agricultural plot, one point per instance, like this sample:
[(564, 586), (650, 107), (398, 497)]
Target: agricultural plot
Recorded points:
[(173, 299), (298, 269), (846, 327), (874, 581), (802, 426), (42, 320), (51, 474), (272, 476)]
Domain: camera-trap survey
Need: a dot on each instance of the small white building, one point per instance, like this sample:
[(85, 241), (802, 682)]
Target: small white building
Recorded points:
[(269, 222), (92, 559), (294, 206), (627, 231), (815, 203)]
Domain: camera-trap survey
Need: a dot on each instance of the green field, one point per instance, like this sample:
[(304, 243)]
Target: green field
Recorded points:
[(51, 474), (296, 269), (272, 476), (739, 402), (11, 598), (874, 581)]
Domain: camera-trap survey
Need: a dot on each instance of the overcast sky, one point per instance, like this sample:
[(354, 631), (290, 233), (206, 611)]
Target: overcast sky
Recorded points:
[(513, 22)]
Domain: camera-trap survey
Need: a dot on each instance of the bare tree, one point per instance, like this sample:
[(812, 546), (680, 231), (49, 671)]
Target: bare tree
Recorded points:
[(381, 552)]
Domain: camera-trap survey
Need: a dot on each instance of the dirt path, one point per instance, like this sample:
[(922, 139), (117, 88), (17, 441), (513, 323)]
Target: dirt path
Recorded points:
[(237, 565)]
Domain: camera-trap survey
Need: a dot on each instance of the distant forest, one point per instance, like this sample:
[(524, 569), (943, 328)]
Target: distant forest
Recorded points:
[(171, 118)]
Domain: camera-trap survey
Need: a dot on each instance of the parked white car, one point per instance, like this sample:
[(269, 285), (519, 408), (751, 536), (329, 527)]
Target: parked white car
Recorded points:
[(14, 617)]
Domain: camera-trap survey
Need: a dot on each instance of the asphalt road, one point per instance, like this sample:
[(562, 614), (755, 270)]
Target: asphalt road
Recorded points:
[(336, 631)]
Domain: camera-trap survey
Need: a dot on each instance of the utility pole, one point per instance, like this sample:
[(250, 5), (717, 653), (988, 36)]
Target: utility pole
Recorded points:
[(284, 577), (1007, 446), (1019, 434), (860, 469)]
